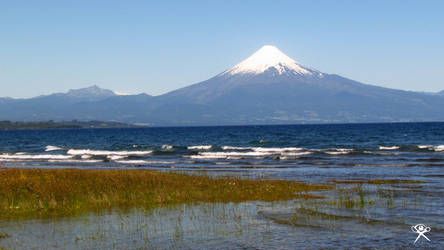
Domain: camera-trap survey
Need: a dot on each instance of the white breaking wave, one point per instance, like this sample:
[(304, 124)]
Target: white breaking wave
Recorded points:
[(116, 157), (34, 157), (339, 151), (388, 148), (207, 156), (200, 147), (52, 148), (236, 148), (144, 162), (167, 147), (277, 149), (76, 161), (106, 152), (235, 153), (296, 153), (227, 155), (439, 148), (262, 149)]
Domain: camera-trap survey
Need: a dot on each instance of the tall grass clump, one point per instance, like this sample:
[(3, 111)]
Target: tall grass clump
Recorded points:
[(40, 193)]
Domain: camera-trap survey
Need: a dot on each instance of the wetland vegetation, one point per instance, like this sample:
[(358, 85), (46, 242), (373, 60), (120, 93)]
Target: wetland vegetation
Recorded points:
[(42, 193)]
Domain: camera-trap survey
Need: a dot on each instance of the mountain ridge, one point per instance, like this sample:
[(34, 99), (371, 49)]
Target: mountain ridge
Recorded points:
[(266, 88)]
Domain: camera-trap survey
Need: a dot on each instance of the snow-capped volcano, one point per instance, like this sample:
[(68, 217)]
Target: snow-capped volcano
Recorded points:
[(266, 58), (266, 88)]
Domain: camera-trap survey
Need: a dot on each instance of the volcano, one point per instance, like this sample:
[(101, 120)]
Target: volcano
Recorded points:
[(268, 87)]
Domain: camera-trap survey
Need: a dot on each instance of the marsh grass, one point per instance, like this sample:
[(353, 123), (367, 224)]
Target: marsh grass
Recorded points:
[(43, 193)]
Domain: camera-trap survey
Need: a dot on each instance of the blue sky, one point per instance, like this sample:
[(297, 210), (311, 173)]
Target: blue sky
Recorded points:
[(155, 47)]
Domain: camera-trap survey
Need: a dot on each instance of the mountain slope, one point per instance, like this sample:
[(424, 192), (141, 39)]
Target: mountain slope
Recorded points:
[(92, 103), (270, 87), (267, 88)]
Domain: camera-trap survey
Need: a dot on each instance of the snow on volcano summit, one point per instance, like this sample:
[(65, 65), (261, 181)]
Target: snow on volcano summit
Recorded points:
[(269, 57)]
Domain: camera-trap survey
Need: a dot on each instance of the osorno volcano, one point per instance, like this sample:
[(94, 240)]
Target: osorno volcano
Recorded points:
[(268, 87)]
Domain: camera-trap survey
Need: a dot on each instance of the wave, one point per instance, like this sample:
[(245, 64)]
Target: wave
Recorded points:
[(75, 161), (116, 157), (338, 151), (34, 157), (236, 148), (167, 147), (277, 149), (388, 148), (206, 156), (106, 152), (296, 153), (200, 147), (439, 148), (144, 162), (235, 153), (228, 155), (262, 149), (52, 148)]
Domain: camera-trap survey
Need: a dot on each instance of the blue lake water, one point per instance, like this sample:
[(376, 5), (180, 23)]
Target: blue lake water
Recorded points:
[(310, 153)]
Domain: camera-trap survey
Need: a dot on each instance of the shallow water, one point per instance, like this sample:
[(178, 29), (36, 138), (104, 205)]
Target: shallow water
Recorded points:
[(252, 225), (381, 214)]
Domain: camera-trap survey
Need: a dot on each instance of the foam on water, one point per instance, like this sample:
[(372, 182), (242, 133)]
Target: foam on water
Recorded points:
[(33, 157), (75, 161), (388, 148), (277, 149), (296, 153), (144, 162), (167, 147), (106, 152), (116, 157), (52, 148), (338, 151), (235, 148), (200, 147), (439, 148)]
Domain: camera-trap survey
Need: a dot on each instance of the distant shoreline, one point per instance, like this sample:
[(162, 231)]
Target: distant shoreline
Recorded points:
[(9, 125)]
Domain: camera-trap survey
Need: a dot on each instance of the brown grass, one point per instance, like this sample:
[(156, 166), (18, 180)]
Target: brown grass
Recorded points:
[(37, 193)]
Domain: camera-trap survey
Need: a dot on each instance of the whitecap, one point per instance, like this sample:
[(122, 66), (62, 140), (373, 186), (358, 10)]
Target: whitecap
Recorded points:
[(438, 148), (297, 153), (144, 162), (52, 148), (388, 148), (235, 153), (34, 157), (235, 148), (277, 149), (167, 147), (200, 147), (339, 151), (106, 152), (76, 161), (116, 157), (206, 156)]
